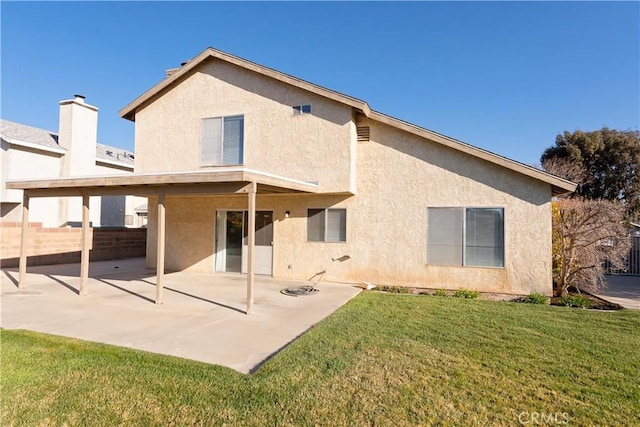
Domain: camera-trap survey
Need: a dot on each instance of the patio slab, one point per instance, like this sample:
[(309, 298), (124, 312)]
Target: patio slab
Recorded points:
[(203, 316)]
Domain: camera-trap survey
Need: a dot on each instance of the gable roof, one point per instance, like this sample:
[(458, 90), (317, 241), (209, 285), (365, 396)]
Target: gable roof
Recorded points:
[(41, 139), (558, 185)]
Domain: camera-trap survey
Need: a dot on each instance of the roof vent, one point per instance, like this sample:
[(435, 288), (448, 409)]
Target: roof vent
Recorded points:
[(79, 98), (363, 133)]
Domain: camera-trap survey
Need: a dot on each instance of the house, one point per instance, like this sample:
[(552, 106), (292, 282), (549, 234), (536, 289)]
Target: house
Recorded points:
[(252, 170), (29, 152)]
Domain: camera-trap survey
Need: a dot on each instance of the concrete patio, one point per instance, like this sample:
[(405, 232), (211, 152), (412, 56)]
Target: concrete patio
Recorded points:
[(203, 316)]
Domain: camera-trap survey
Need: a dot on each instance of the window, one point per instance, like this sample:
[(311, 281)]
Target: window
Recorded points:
[(466, 236), (327, 225), (302, 109), (222, 141)]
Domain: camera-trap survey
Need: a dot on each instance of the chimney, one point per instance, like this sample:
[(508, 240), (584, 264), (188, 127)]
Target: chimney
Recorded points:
[(78, 133)]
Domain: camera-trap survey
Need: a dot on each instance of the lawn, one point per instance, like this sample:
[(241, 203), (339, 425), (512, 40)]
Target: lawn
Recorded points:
[(380, 360)]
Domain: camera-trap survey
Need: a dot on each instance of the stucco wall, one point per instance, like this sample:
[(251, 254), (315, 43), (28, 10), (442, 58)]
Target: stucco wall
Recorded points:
[(315, 147), (23, 163), (399, 177)]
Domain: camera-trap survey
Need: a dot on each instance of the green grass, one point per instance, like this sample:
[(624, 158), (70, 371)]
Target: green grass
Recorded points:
[(380, 360)]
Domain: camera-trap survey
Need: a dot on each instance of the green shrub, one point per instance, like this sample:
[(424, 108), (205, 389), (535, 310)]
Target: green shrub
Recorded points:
[(461, 293), (575, 301), (440, 293), (535, 298)]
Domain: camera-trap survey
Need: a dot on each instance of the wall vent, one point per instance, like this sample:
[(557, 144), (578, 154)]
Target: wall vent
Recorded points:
[(363, 133)]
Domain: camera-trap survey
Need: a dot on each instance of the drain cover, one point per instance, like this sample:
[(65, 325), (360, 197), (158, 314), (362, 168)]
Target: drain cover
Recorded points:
[(295, 291)]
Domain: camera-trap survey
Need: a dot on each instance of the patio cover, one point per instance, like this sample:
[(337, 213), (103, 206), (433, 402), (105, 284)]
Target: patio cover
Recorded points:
[(221, 180)]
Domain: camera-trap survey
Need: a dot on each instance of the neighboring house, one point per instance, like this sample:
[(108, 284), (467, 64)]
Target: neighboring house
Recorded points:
[(29, 152), (344, 193)]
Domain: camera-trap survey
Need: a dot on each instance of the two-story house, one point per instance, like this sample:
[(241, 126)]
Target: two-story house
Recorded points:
[(28, 152), (339, 191)]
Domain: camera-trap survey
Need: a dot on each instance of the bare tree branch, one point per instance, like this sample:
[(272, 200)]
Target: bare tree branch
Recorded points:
[(586, 233)]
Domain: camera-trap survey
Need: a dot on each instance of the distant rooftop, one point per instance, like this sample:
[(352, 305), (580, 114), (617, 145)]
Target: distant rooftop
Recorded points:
[(24, 133), (107, 152)]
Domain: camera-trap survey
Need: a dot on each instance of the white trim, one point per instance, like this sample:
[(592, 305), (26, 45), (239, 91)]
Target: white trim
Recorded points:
[(271, 175), (189, 172), (26, 144), (220, 241), (79, 103)]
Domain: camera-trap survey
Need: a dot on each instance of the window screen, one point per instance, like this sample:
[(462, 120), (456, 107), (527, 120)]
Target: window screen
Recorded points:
[(233, 136), (484, 237), (222, 141), (336, 225), (327, 225), (465, 236), (445, 236), (315, 225), (211, 142)]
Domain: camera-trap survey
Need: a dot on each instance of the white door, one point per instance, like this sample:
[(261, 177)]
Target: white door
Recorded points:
[(231, 242)]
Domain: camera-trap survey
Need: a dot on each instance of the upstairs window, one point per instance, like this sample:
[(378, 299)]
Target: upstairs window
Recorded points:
[(466, 236), (302, 109), (327, 225), (222, 141)]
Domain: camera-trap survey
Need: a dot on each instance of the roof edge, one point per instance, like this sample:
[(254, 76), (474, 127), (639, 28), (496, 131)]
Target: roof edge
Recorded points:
[(34, 146), (128, 112), (559, 185)]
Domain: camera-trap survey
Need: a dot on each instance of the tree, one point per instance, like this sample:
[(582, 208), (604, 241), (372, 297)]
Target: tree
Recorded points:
[(610, 160), (585, 234)]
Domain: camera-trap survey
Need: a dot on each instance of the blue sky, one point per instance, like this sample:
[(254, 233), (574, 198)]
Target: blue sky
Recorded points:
[(504, 76)]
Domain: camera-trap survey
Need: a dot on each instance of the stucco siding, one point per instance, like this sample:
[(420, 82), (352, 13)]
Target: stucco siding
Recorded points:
[(27, 163), (399, 177), (316, 147)]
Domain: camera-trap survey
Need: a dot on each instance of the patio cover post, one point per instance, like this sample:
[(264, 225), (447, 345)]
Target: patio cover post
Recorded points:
[(22, 276), (84, 257), (251, 243), (160, 249)]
